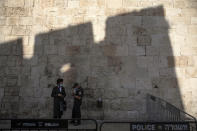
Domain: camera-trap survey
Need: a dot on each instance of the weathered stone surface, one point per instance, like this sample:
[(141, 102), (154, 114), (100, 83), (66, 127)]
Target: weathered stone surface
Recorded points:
[(12, 81), (114, 3), (25, 21), (20, 30), (6, 30), (189, 51), (109, 50), (1, 93), (73, 3), (116, 49), (178, 61), (18, 11), (191, 72), (2, 21), (129, 3), (12, 20), (144, 40), (13, 3), (29, 3)]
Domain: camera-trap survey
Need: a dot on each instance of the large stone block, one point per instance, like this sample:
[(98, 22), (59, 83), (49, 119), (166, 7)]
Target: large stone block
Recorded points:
[(192, 29), (166, 50), (193, 82), (122, 50), (112, 94), (12, 60), (2, 21), (179, 20), (145, 61), (25, 21), (13, 71), (3, 60), (130, 3), (191, 72), (12, 81), (101, 3), (140, 50), (152, 51), (167, 72), (12, 91), (14, 3), (88, 3), (144, 40), (114, 61), (177, 61), (29, 3), (188, 12), (114, 3), (173, 12), (6, 30), (50, 50), (1, 93), (109, 50), (61, 3), (193, 20), (20, 30), (166, 4), (191, 41), (128, 82), (44, 82), (12, 21), (47, 3), (181, 30), (72, 50), (2, 3), (189, 51), (192, 4), (153, 71), (2, 70), (28, 50), (2, 11), (18, 11), (160, 39), (180, 4), (73, 3), (26, 92)]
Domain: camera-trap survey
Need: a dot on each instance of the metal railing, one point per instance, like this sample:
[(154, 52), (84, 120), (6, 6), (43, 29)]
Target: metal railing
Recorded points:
[(161, 110), (47, 125), (161, 115)]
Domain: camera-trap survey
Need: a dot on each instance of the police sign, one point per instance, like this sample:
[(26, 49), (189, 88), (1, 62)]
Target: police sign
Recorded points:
[(150, 126)]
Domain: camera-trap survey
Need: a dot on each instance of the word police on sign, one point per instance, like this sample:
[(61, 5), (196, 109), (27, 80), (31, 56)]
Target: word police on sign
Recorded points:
[(160, 126)]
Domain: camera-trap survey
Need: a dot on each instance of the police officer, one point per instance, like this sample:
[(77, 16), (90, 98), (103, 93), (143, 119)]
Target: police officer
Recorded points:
[(76, 111), (58, 93)]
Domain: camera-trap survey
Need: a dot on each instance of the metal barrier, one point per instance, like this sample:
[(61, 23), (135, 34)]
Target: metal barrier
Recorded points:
[(47, 124), (147, 126), (161, 116), (161, 110)]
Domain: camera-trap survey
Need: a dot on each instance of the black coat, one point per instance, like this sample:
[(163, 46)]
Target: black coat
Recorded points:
[(57, 100)]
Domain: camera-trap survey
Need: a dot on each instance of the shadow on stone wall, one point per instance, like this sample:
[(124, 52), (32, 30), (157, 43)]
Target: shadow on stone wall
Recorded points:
[(135, 58)]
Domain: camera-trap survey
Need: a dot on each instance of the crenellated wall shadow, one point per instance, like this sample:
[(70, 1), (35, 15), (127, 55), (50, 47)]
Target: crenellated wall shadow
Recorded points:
[(134, 59)]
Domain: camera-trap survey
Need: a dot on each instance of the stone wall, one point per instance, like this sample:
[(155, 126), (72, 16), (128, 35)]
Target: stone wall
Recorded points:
[(118, 50)]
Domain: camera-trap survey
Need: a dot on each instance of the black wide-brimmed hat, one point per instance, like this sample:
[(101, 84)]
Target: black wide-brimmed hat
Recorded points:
[(59, 80)]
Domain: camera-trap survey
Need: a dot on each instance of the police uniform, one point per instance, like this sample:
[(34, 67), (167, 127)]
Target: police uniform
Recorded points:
[(76, 112), (58, 101)]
